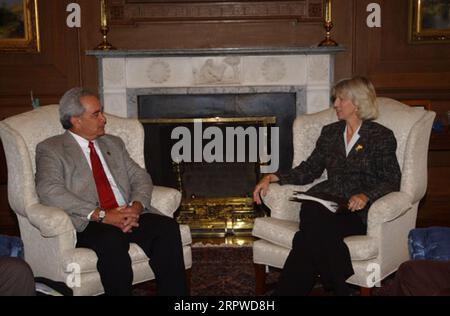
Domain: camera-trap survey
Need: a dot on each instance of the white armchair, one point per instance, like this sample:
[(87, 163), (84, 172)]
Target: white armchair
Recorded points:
[(47, 232), (380, 252)]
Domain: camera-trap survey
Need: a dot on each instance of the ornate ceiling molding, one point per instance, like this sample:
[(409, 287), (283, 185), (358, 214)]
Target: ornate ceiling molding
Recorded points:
[(142, 11)]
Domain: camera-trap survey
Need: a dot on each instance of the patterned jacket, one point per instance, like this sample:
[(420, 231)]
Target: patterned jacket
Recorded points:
[(370, 168)]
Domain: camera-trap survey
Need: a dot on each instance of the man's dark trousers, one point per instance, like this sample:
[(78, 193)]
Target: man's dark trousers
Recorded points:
[(160, 239)]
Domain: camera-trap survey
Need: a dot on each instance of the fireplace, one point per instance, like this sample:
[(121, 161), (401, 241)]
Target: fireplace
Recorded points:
[(216, 198), (217, 195), (249, 87)]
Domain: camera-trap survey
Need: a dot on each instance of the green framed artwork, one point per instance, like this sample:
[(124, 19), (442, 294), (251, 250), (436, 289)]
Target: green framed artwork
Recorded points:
[(19, 26), (429, 21)]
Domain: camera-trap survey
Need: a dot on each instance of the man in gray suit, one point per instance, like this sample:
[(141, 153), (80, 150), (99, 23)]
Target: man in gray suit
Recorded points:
[(107, 196)]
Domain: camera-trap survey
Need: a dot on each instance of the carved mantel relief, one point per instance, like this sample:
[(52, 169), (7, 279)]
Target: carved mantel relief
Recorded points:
[(225, 71), (127, 74), (158, 71), (273, 69)]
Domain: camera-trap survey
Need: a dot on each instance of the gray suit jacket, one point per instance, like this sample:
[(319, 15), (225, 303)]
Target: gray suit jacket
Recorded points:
[(64, 178)]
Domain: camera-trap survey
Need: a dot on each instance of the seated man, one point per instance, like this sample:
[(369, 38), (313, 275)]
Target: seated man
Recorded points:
[(107, 196), (16, 277)]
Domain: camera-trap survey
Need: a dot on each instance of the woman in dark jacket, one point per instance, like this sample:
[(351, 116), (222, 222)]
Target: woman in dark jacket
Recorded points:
[(359, 157)]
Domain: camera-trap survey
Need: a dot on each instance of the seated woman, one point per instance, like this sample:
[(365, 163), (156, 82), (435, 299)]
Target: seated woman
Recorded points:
[(359, 157)]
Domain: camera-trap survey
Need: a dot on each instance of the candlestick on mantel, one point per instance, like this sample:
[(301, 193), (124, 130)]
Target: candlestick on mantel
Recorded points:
[(328, 11), (104, 28), (104, 21), (328, 25)]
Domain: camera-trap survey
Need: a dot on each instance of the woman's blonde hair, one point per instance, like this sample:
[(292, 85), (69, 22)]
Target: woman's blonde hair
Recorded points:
[(361, 92)]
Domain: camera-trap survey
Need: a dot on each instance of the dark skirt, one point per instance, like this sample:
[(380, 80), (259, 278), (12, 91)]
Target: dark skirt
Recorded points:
[(318, 249)]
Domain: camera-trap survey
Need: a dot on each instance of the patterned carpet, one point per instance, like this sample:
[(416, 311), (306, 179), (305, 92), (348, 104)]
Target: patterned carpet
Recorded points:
[(223, 271), (218, 271), (227, 271)]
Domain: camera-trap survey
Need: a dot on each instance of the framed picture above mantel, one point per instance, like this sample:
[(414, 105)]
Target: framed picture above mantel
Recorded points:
[(153, 11), (19, 26), (429, 21)]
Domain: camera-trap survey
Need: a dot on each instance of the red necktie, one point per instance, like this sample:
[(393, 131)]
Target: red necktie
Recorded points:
[(104, 191)]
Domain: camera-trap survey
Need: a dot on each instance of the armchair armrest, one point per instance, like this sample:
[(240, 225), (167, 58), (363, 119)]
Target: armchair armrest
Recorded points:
[(51, 221), (277, 199), (166, 200), (389, 207)]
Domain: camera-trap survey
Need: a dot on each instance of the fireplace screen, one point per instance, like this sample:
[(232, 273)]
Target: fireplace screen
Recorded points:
[(217, 195)]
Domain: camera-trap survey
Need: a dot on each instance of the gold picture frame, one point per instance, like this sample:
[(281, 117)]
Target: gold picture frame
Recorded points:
[(19, 28), (429, 21)]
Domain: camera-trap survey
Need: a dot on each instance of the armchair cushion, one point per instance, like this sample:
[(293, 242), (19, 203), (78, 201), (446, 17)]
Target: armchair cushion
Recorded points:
[(362, 247), (265, 252), (87, 259), (430, 243), (166, 200), (51, 221), (388, 208), (277, 199), (278, 231), (281, 233), (185, 232), (11, 246)]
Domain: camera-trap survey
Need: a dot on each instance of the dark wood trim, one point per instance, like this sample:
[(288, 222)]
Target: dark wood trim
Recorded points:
[(123, 12), (260, 279), (189, 280), (440, 141), (366, 291)]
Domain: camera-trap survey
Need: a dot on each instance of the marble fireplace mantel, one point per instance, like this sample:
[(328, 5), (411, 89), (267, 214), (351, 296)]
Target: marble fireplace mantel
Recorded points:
[(126, 74)]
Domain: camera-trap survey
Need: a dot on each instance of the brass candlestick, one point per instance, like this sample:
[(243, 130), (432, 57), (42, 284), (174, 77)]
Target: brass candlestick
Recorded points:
[(328, 25), (104, 28)]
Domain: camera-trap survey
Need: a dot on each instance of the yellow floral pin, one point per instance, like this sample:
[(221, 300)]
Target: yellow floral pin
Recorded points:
[(358, 147)]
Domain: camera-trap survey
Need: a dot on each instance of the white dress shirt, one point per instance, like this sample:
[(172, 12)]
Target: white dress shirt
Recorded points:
[(84, 144), (352, 142)]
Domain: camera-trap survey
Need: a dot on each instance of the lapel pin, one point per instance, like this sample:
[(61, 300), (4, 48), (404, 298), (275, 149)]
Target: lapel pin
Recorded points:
[(358, 147), (108, 153)]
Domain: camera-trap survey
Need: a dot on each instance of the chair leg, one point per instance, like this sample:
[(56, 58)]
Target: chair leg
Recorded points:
[(260, 279), (366, 291), (188, 280)]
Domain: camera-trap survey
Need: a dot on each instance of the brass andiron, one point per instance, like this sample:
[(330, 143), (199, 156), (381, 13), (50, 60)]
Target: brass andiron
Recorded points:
[(104, 28), (328, 25)]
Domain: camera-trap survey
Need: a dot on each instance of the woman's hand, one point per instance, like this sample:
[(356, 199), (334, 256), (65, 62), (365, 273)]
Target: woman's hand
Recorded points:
[(263, 187), (357, 202)]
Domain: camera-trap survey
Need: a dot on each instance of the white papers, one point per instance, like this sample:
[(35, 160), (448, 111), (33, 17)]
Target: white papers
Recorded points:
[(332, 206)]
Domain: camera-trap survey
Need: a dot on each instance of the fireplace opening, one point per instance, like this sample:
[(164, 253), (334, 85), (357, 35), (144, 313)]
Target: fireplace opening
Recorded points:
[(217, 196)]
